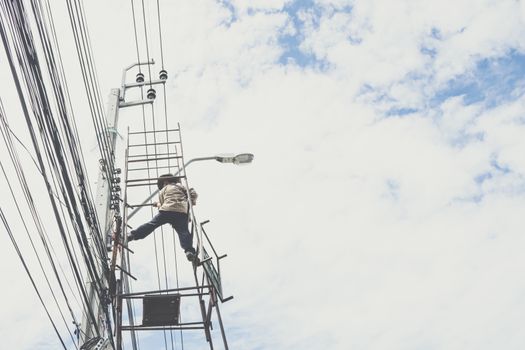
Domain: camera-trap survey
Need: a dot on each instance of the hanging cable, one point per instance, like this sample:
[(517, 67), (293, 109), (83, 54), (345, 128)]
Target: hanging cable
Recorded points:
[(135, 33), (69, 135), (147, 42), (41, 264), (51, 141), (147, 153), (160, 36), (21, 177), (167, 150), (18, 252)]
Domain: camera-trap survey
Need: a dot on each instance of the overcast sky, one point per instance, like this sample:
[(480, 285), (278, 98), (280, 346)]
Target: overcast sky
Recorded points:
[(384, 208)]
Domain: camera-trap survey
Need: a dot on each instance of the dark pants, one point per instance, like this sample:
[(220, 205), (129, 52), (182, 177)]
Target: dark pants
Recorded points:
[(179, 221)]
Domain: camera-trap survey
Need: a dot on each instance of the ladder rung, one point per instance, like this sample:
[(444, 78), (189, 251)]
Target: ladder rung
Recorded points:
[(151, 155), (153, 179), (156, 291), (159, 167), (151, 132), (159, 328), (153, 159), (155, 144), (143, 184)]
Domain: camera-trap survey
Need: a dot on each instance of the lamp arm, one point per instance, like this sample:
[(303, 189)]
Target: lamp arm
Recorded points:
[(157, 191)]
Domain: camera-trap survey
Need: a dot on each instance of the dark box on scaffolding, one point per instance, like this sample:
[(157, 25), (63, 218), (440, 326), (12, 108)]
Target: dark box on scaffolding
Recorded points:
[(160, 310)]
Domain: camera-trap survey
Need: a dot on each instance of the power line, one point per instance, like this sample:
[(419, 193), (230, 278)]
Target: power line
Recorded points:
[(22, 260), (160, 36), (62, 160), (135, 33)]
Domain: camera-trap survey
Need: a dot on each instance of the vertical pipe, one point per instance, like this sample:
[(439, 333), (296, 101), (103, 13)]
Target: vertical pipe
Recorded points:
[(221, 325)]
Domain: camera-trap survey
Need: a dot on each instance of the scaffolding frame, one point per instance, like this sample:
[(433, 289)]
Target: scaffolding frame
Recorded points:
[(167, 154)]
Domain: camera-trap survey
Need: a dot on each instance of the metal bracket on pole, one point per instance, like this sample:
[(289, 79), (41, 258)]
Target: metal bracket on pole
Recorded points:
[(152, 82), (134, 103), (125, 70)]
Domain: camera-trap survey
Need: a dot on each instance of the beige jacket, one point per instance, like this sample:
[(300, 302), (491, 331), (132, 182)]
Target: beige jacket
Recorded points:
[(173, 197)]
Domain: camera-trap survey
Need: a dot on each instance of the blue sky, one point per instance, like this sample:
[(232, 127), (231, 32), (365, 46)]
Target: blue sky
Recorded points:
[(491, 82)]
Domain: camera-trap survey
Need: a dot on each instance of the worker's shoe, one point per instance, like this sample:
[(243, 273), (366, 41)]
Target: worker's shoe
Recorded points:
[(192, 256), (130, 237)]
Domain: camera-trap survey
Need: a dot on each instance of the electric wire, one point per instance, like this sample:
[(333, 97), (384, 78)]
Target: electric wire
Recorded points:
[(164, 97), (41, 264), (22, 260), (66, 90), (135, 33), (135, 337), (90, 82), (147, 153), (18, 22), (52, 143), (67, 127), (147, 44), (160, 36), (6, 133), (71, 139)]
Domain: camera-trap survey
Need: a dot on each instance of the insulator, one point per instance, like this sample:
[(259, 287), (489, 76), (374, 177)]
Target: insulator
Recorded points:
[(116, 189), (151, 94), (139, 78), (118, 171), (163, 75), (116, 179)]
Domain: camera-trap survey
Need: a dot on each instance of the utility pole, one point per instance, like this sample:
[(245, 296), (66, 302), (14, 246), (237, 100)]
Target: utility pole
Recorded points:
[(107, 205), (104, 213)]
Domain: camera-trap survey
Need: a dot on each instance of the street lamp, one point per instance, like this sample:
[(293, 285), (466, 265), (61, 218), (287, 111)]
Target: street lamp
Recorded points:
[(242, 158)]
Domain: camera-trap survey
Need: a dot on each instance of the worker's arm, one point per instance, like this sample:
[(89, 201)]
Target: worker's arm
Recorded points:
[(161, 199), (193, 196)]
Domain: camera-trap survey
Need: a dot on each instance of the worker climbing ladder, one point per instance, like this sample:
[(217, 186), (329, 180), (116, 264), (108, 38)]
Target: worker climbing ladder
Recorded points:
[(148, 154)]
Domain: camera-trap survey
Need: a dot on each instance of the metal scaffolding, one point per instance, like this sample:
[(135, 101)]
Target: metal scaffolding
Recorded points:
[(147, 152)]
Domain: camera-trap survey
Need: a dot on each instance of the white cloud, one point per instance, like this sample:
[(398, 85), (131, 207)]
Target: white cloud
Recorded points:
[(349, 230), (267, 5)]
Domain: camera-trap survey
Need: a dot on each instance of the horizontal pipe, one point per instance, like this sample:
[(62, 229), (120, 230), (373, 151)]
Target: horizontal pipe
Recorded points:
[(150, 132), (166, 328), (134, 103), (152, 179), (155, 144), (159, 167), (145, 184), (180, 295), (152, 154), (144, 83), (153, 159), (154, 292)]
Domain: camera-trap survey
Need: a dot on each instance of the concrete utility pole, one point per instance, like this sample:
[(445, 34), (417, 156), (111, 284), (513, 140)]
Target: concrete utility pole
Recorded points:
[(105, 211)]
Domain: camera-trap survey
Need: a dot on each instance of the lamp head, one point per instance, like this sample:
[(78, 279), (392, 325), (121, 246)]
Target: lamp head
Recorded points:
[(242, 158)]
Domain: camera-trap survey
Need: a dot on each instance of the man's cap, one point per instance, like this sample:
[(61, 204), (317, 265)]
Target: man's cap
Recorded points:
[(162, 178)]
